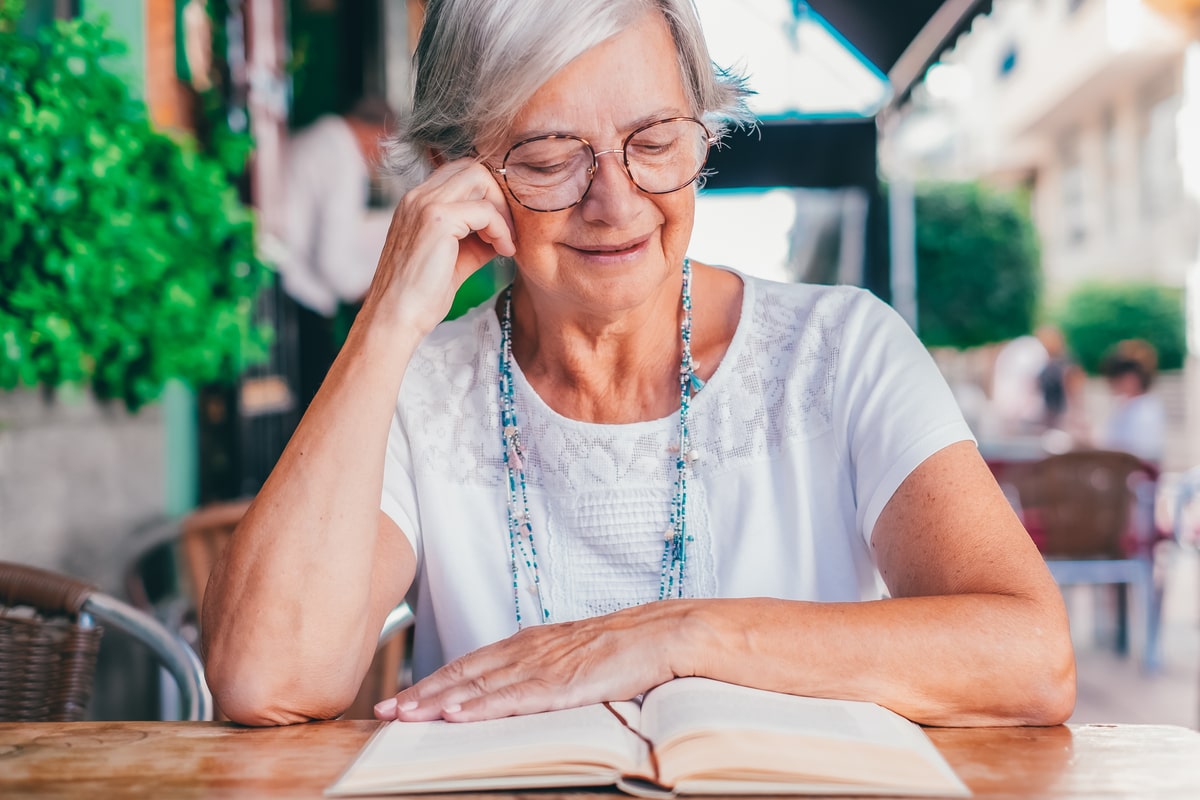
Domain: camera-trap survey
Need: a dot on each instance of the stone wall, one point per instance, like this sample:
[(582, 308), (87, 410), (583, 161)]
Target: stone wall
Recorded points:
[(78, 479)]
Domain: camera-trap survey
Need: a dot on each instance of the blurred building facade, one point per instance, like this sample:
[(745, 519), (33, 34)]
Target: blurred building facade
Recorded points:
[(1082, 102), (1093, 107)]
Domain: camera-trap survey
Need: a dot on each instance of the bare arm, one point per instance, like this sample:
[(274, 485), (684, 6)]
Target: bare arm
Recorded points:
[(294, 606), (976, 633)]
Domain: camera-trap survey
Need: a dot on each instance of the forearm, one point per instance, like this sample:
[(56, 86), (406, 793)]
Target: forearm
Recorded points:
[(969, 659), (286, 611)]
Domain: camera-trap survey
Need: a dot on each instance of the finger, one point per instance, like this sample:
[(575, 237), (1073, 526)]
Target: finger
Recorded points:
[(499, 197), (464, 179), (461, 218), (498, 232), (452, 171), (386, 709), (422, 700), (484, 671), (467, 181), (473, 181), (527, 697), (469, 693)]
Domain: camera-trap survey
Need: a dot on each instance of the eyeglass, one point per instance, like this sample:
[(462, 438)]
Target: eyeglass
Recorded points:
[(554, 172)]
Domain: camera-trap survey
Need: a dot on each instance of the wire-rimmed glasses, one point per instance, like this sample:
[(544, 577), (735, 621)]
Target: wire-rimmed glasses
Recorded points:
[(555, 171)]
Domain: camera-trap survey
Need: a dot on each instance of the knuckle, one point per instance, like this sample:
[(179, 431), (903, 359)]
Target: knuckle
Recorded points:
[(479, 685), (431, 214), (455, 670)]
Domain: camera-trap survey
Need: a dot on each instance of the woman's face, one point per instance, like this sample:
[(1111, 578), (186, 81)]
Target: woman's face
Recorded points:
[(614, 248)]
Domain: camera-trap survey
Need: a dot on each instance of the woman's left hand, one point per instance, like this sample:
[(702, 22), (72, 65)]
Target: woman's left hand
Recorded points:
[(546, 667)]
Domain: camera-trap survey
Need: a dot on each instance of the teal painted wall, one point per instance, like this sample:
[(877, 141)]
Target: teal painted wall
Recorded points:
[(127, 22)]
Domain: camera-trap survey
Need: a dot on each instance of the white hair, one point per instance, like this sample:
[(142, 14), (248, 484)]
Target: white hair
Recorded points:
[(478, 62)]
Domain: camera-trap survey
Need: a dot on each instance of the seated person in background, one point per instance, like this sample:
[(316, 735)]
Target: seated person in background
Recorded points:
[(1018, 399), (628, 466), (1061, 382), (1138, 422)]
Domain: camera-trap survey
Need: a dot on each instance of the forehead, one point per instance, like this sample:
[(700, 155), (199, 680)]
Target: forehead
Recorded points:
[(627, 80)]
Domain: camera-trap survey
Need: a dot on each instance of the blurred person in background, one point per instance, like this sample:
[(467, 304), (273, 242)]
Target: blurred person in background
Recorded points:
[(1138, 422), (1016, 396), (1060, 383), (1037, 390), (334, 236)]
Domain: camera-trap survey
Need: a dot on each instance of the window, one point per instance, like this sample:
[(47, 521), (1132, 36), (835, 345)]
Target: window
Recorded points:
[(1112, 170), (1159, 186), (1074, 212)]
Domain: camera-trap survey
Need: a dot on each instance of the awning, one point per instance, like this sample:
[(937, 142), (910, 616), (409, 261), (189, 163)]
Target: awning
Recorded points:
[(901, 37)]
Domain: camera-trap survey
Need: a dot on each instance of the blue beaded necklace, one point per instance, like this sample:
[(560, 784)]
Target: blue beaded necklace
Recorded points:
[(521, 547)]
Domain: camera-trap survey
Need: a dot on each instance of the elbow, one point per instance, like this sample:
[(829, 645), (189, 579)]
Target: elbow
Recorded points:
[(1052, 696), (1051, 686), (1033, 683), (248, 699), (254, 690), (1044, 694)]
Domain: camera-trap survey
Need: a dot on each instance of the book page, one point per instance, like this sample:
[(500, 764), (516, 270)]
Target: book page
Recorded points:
[(579, 746), (705, 730)]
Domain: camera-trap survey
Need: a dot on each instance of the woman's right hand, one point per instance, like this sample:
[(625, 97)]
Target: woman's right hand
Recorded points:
[(442, 231)]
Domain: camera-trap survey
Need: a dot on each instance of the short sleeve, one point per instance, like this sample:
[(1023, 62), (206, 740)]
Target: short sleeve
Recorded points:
[(891, 401), (399, 499)]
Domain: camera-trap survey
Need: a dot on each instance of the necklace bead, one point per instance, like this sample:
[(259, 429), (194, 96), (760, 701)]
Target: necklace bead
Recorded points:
[(521, 546)]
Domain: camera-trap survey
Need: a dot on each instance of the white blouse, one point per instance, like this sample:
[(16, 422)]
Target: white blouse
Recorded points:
[(824, 402)]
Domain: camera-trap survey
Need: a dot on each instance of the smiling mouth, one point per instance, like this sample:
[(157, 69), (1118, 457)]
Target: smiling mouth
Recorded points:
[(612, 249)]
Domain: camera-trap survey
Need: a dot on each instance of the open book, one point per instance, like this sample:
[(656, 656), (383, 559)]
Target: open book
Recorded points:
[(688, 736)]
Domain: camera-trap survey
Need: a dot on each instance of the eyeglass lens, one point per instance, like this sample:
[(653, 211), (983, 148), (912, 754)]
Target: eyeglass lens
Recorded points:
[(554, 172)]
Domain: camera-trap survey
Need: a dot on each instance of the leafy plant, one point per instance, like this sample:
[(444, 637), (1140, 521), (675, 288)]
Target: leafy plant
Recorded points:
[(1096, 315), (978, 271), (126, 256)]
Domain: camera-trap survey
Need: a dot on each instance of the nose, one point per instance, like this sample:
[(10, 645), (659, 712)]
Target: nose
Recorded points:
[(612, 195)]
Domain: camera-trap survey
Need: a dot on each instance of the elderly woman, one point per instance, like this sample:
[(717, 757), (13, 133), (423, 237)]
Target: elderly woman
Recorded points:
[(629, 466)]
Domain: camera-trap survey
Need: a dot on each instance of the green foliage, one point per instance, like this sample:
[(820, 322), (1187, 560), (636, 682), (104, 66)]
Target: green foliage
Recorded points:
[(10, 12), (978, 272), (1095, 316), (126, 257)]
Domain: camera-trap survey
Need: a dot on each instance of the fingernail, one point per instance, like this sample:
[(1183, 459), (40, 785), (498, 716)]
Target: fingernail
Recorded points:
[(409, 705), (453, 708), (386, 708)]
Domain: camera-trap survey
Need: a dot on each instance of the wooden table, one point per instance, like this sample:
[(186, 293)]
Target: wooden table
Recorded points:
[(169, 760)]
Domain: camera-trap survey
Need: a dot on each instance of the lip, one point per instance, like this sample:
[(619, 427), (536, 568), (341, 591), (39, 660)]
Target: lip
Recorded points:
[(613, 251)]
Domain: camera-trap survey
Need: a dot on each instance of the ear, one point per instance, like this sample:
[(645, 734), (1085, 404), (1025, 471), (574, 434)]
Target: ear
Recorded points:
[(436, 157)]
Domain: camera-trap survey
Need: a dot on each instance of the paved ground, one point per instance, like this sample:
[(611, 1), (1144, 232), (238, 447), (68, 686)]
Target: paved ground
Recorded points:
[(1115, 689)]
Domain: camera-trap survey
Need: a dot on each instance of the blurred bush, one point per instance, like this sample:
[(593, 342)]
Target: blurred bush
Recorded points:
[(978, 271), (126, 256), (1095, 316)]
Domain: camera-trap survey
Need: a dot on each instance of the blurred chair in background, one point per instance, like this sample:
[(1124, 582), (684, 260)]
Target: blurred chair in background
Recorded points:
[(50, 631), (1091, 513), (1185, 523), (170, 577)]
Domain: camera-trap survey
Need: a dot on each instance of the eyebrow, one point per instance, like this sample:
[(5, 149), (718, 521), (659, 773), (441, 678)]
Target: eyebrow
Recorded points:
[(654, 116)]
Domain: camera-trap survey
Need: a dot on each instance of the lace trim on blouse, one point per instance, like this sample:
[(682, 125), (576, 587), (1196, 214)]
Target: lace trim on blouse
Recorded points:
[(607, 488)]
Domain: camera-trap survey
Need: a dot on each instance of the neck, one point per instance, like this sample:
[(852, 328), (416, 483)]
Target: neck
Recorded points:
[(615, 367)]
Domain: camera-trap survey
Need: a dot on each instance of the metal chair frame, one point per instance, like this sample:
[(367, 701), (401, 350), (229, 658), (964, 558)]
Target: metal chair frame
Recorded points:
[(22, 585), (191, 545)]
